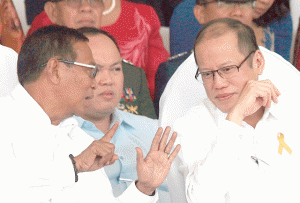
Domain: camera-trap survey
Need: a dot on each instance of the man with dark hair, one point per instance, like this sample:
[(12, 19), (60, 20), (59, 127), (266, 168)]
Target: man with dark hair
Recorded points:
[(136, 97), (102, 111), (46, 155), (248, 136)]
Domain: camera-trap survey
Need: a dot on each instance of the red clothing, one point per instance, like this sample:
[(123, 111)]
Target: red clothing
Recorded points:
[(137, 33)]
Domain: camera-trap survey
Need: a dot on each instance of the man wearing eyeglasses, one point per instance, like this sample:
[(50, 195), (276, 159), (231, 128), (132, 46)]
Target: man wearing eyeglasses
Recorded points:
[(43, 158), (204, 11), (240, 141)]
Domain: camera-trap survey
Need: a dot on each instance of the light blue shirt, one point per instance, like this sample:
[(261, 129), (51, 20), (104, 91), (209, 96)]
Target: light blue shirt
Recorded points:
[(133, 131)]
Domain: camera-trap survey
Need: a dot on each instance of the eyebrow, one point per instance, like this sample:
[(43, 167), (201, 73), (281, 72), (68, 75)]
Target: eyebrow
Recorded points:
[(228, 63), (116, 63)]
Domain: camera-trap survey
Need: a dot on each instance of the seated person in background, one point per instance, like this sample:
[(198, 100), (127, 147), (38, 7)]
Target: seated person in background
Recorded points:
[(241, 10), (11, 32), (101, 112), (242, 143), (135, 26), (57, 74), (270, 14), (8, 70)]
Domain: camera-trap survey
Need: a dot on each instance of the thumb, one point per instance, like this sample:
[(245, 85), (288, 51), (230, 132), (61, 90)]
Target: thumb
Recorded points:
[(139, 154)]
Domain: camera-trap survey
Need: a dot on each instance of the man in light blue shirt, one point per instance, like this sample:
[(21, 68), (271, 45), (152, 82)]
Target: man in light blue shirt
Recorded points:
[(101, 112)]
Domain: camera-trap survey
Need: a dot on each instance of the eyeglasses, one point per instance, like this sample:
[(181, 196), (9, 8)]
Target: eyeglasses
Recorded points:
[(79, 3), (231, 4), (92, 74), (225, 72)]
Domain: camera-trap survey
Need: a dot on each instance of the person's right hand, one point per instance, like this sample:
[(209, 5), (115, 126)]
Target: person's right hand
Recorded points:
[(12, 33), (100, 153), (255, 95)]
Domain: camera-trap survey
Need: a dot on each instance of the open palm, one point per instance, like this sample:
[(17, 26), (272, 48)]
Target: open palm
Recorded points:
[(153, 170)]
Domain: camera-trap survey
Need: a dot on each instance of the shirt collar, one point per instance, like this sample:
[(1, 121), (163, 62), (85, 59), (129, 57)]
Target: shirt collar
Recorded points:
[(21, 95), (117, 115)]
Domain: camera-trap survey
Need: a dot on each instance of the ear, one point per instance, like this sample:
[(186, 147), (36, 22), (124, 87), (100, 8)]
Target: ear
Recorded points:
[(199, 13), (258, 63), (52, 71), (51, 11)]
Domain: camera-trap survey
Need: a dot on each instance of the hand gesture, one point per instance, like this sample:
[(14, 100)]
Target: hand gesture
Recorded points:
[(153, 170), (12, 34), (255, 95), (100, 153)]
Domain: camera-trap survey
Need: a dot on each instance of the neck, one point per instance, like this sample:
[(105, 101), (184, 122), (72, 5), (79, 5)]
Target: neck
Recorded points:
[(255, 118), (48, 100), (102, 123)]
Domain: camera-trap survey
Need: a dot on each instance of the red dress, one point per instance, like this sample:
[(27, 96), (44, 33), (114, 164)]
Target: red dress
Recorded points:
[(137, 33)]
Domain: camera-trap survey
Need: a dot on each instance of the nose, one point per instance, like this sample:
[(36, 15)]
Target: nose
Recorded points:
[(85, 5), (93, 83), (104, 77), (236, 11), (219, 82)]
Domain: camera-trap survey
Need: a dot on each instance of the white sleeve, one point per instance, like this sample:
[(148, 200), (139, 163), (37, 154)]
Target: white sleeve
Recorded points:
[(209, 151)]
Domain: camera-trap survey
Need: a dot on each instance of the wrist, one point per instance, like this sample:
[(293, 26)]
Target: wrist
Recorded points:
[(235, 116), (144, 188)]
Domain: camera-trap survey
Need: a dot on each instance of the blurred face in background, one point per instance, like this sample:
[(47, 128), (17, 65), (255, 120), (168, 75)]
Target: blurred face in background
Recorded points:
[(212, 10), (261, 7), (76, 13)]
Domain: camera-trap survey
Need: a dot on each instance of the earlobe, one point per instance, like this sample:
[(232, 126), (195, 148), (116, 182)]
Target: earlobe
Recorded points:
[(198, 12), (52, 71), (258, 62), (51, 11)]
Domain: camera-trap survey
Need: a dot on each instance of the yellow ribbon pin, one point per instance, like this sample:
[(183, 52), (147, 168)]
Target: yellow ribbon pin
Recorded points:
[(282, 144)]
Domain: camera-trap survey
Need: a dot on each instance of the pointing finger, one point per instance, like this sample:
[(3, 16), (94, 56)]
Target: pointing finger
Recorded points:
[(109, 135)]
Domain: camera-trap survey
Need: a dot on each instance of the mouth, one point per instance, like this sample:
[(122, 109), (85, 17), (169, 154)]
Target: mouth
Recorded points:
[(224, 97), (107, 95), (259, 11), (86, 23)]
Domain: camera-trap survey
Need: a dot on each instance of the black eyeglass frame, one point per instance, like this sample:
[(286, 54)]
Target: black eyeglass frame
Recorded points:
[(198, 73)]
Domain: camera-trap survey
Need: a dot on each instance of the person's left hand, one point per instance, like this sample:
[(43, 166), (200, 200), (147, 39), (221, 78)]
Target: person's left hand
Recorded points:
[(153, 170)]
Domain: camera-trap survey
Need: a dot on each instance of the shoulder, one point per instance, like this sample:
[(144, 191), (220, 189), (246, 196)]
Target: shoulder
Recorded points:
[(176, 60)]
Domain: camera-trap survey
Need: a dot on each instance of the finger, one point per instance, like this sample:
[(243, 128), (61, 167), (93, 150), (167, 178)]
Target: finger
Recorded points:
[(174, 153), (109, 135), (163, 141), (156, 139), (139, 155), (170, 145)]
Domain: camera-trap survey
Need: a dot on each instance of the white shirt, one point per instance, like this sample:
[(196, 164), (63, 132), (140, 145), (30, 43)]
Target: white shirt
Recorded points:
[(217, 155), (183, 92), (36, 166), (8, 70)]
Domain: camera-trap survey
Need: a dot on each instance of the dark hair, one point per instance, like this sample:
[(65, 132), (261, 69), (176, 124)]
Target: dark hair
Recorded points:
[(44, 44), (96, 31), (278, 11), (219, 27)]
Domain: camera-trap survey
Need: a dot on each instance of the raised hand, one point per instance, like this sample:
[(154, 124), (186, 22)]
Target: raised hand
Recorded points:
[(255, 95), (153, 170), (12, 33), (98, 154)]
